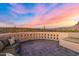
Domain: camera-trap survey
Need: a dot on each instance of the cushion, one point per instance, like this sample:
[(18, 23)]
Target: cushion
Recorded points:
[(6, 42), (11, 40), (1, 45)]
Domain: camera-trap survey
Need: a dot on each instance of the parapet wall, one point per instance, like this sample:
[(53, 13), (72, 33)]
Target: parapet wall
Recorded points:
[(58, 36), (39, 35), (74, 35)]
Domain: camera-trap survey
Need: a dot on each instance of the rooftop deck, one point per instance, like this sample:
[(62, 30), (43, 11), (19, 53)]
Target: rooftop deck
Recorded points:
[(45, 48), (45, 44)]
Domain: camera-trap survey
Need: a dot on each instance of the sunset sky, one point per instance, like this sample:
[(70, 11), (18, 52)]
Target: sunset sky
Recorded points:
[(36, 15)]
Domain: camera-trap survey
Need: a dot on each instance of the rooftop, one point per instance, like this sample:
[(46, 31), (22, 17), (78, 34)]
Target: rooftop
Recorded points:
[(44, 48)]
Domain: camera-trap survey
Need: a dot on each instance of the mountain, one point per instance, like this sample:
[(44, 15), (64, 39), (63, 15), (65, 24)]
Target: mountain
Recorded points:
[(72, 28), (76, 27)]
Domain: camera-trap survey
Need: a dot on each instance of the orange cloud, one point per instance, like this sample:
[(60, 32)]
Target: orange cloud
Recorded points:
[(63, 16)]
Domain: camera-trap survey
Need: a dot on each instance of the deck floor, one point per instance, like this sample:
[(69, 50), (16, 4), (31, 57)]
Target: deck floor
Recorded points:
[(45, 48)]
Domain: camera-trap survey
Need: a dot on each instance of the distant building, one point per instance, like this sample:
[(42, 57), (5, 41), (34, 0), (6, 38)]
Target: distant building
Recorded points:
[(76, 27)]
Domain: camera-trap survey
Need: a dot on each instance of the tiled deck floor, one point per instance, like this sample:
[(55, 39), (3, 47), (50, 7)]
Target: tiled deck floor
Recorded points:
[(44, 48)]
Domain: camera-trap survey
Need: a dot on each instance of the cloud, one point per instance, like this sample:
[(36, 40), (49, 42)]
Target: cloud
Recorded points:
[(4, 24), (56, 15), (18, 8), (6, 20), (42, 14)]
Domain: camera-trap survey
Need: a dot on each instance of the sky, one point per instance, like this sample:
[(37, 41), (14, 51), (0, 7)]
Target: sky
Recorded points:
[(37, 15)]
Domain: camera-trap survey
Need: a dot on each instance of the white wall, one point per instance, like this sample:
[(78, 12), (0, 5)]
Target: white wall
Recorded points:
[(39, 35), (67, 42), (58, 36), (74, 34), (70, 45)]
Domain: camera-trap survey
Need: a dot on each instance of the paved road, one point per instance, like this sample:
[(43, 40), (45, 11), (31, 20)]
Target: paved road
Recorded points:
[(44, 48)]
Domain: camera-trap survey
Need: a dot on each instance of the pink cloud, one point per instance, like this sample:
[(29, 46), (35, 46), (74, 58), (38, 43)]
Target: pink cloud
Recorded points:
[(56, 15), (61, 11), (39, 9)]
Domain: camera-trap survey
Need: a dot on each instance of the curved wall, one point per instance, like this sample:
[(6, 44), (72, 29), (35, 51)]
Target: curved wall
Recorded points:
[(24, 36), (38, 35), (58, 36)]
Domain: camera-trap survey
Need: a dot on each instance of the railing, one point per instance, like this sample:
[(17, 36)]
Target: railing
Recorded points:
[(37, 35), (58, 36)]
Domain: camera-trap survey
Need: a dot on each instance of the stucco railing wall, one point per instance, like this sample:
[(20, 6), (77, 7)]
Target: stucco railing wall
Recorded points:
[(69, 45), (71, 42), (74, 35), (39, 35)]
